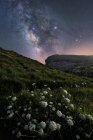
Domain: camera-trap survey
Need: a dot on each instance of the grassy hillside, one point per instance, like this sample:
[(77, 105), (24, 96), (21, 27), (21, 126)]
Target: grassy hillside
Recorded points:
[(38, 102), (77, 64), (18, 72)]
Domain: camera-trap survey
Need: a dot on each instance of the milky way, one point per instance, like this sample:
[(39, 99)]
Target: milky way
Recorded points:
[(39, 28)]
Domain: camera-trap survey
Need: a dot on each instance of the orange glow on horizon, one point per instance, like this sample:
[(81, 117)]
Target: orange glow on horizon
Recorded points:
[(85, 49), (82, 50)]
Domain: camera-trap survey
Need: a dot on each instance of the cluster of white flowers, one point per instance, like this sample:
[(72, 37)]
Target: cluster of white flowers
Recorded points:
[(87, 135), (53, 108), (90, 117), (26, 127), (33, 84), (45, 92), (42, 97), (67, 100), (82, 116), (42, 125), (49, 88), (72, 106), (58, 126), (28, 116), (43, 104), (14, 99), (65, 91), (59, 104), (59, 113), (41, 132), (32, 127), (53, 126), (18, 135), (11, 115), (77, 137), (56, 112), (9, 107), (70, 120)]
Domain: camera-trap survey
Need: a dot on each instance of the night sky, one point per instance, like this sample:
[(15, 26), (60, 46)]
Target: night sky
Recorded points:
[(40, 28)]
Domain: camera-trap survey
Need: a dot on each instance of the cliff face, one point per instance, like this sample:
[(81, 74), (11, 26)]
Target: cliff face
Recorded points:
[(77, 64)]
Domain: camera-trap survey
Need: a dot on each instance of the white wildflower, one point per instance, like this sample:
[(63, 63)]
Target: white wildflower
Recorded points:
[(45, 92), (49, 88), (16, 111), (9, 107), (67, 100), (59, 104), (53, 108), (82, 116), (69, 95), (72, 106), (50, 106), (32, 95), (63, 96), (32, 127), (87, 135), (41, 94), (29, 108), (11, 115), (51, 103), (59, 113), (14, 98), (18, 134), (44, 104), (63, 116), (28, 116), (70, 122), (41, 132), (25, 109), (42, 125), (42, 97), (33, 84), (34, 120), (58, 126), (26, 127), (90, 117), (51, 95), (65, 91), (69, 117), (8, 111), (52, 126), (9, 96), (77, 137)]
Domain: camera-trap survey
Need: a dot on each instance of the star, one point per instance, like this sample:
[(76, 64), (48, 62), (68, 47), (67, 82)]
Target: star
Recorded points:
[(55, 27)]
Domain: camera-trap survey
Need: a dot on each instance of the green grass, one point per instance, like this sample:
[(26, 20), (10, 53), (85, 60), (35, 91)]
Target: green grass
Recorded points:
[(17, 72), (27, 79)]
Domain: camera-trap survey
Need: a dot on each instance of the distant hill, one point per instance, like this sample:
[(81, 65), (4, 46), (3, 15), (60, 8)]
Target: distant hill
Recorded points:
[(77, 64)]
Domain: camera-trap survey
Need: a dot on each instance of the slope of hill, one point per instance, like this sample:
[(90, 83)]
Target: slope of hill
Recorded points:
[(78, 64), (17, 72), (38, 102)]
